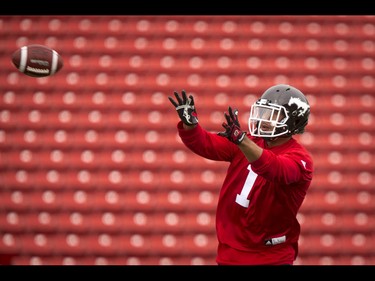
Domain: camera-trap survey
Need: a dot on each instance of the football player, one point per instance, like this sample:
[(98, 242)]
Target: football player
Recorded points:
[(268, 175)]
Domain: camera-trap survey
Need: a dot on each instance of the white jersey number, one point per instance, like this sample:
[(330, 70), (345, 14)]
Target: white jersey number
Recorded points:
[(242, 198)]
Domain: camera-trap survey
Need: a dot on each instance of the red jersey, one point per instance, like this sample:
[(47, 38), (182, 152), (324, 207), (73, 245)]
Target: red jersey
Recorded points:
[(258, 203)]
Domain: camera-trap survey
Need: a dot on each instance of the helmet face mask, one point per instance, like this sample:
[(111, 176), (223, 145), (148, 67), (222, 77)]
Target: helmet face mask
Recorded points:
[(281, 111), (267, 120)]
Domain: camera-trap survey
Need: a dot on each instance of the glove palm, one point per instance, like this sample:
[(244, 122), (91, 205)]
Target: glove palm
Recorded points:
[(185, 108)]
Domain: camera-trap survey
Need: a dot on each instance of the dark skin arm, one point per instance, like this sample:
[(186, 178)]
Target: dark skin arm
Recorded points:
[(250, 149)]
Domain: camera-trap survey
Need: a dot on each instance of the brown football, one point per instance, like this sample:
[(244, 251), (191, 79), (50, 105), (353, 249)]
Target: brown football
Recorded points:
[(37, 60)]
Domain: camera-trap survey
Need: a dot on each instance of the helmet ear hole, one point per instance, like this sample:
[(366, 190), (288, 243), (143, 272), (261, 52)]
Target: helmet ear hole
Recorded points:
[(300, 126)]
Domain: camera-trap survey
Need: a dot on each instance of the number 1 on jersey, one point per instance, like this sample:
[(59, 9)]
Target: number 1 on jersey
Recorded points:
[(242, 198)]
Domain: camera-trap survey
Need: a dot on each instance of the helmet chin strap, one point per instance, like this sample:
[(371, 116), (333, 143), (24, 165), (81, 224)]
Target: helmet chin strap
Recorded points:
[(275, 138)]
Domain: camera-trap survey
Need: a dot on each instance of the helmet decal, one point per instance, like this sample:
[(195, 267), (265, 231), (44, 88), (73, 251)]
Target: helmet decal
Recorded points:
[(302, 107)]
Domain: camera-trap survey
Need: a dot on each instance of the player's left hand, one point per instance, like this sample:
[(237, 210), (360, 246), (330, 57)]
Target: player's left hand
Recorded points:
[(232, 127)]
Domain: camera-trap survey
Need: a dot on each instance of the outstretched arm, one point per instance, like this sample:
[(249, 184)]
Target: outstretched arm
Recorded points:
[(250, 149), (234, 133)]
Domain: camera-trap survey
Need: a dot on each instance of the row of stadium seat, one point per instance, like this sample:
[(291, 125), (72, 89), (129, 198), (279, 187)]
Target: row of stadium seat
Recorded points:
[(272, 26), (164, 198), (164, 244), (107, 219), (153, 159)]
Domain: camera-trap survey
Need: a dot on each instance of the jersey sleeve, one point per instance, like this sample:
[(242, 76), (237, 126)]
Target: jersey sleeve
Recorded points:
[(287, 168), (207, 144)]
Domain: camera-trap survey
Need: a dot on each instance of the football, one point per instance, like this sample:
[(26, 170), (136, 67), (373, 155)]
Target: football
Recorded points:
[(37, 60)]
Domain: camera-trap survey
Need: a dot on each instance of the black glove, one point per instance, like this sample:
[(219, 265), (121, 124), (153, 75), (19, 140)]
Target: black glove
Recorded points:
[(185, 108), (232, 128)]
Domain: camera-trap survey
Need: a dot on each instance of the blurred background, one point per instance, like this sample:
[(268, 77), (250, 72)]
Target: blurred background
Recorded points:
[(91, 168)]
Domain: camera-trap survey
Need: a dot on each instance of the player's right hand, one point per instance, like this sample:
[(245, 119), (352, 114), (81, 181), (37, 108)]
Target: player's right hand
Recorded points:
[(185, 108)]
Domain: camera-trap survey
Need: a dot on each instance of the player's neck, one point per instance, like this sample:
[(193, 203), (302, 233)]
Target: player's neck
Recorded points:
[(277, 141)]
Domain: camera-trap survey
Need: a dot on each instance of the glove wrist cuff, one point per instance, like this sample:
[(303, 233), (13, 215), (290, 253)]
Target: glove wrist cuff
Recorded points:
[(239, 136)]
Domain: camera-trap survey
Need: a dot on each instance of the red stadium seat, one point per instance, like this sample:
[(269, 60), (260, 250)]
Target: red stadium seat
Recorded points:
[(12, 222), (14, 200), (41, 222), (37, 244), (200, 244), (105, 222), (10, 244)]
